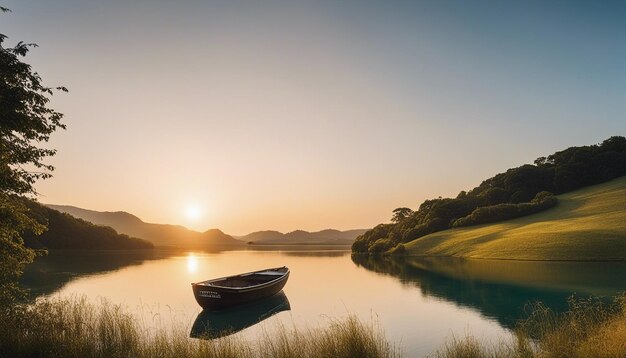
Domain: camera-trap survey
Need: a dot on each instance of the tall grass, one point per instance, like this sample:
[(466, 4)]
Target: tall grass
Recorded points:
[(76, 328), (590, 328)]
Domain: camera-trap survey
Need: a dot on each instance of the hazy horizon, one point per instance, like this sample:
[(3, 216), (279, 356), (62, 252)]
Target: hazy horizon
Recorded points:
[(245, 116), (202, 230)]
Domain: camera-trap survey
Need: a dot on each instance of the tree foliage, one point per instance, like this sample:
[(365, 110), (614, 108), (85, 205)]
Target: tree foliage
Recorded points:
[(26, 121), (400, 214), (489, 214), (517, 192)]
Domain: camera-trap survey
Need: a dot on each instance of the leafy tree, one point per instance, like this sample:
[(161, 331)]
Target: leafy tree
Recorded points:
[(26, 121), (400, 214)]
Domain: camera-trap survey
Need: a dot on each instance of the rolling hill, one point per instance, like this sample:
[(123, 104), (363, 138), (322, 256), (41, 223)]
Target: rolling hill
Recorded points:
[(158, 234), (69, 233), (300, 237), (587, 224)]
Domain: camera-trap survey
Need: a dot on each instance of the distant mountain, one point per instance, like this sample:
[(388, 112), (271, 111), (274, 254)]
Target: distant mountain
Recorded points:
[(261, 236), (158, 234), (179, 236), (67, 232), (326, 237)]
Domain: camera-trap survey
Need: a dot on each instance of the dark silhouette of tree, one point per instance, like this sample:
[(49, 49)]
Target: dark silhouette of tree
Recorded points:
[(26, 121), (400, 214)]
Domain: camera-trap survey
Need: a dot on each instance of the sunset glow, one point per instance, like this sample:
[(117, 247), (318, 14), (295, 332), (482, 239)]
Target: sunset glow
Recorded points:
[(192, 263), (349, 178), (193, 212), (313, 115)]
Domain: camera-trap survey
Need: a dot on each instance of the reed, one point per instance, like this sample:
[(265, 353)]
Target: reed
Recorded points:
[(77, 328), (590, 328)]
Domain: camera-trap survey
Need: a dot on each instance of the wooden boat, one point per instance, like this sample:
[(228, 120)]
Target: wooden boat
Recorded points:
[(243, 288), (215, 324)]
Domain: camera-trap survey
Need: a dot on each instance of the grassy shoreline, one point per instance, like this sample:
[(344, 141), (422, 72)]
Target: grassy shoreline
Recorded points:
[(75, 328), (591, 328), (521, 259), (365, 254)]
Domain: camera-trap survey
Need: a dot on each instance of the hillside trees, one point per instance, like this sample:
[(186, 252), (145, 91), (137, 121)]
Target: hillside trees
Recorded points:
[(400, 214), (517, 192)]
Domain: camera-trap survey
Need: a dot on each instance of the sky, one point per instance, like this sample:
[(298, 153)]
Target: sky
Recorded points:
[(284, 115)]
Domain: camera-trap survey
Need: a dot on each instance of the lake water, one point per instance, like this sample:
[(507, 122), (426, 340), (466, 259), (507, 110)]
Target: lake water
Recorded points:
[(418, 302)]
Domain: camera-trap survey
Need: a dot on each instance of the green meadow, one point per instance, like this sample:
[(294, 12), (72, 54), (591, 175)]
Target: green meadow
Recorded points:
[(586, 224)]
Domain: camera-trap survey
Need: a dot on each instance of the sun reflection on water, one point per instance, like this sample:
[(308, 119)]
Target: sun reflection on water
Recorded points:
[(192, 263)]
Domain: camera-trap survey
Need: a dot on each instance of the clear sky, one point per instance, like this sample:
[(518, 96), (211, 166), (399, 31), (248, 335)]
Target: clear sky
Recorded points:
[(309, 115)]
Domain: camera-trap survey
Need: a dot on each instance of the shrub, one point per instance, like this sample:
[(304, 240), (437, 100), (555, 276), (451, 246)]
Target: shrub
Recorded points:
[(415, 232), (360, 244), (379, 246), (488, 214)]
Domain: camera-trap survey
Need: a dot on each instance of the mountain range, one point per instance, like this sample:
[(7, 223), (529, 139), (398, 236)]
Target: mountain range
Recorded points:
[(328, 236), (180, 236), (158, 234)]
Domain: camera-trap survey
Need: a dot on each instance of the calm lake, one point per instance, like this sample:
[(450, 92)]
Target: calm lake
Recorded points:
[(419, 302)]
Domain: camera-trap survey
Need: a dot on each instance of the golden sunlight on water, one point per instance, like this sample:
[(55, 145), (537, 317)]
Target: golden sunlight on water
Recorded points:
[(323, 285), (192, 263), (418, 302)]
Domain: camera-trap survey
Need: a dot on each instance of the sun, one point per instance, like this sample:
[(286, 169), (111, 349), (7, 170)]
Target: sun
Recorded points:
[(193, 212)]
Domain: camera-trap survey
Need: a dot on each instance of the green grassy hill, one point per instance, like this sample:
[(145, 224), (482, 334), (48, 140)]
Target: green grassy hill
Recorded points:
[(587, 224)]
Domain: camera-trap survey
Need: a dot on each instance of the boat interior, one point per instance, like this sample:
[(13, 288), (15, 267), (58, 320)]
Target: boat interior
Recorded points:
[(248, 279)]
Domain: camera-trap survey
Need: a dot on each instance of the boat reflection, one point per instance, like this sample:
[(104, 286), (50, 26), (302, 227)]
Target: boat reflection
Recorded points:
[(216, 324)]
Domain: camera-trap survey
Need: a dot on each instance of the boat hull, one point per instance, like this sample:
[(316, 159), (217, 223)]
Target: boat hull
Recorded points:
[(217, 298)]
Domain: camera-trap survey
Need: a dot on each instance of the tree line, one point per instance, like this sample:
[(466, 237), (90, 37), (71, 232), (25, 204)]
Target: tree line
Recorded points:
[(517, 192)]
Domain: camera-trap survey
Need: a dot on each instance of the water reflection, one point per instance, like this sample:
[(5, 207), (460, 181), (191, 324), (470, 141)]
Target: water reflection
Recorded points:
[(50, 273), (322, 250), (501, 290), (215, 324), (192, 263), (323, 253)]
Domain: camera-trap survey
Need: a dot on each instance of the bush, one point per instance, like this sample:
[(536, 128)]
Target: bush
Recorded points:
[(415, 232), (360, 244), (489, 214), (520, 197), (380, 246), (543, 196)]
